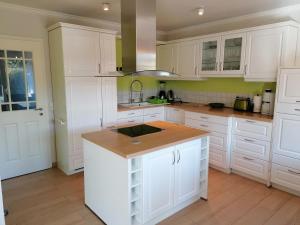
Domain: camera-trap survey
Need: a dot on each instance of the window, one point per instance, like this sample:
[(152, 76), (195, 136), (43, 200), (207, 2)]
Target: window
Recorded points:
[(17, 82)]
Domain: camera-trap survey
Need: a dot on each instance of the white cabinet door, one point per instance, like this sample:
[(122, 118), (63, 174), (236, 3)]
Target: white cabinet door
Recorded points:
[(109, 100), (263, 54), (158, 169), (209, 56), (107, 54), (188, 57), (232, 59), (187, 182), (289, 91), (167, 57), (175, 115), (286, 139), (84, 112), (81, 49)]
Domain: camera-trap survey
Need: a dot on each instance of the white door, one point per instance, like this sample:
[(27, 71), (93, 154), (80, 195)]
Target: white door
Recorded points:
[(24, 119), (107, 54), (2, 222), (188, 59), (81, 49), (166, 57), (232, 59), (84, 109), (187, 172), (158, 182), (289, 91), (263, 54), (209, 56), (286, 139), (109, 101)]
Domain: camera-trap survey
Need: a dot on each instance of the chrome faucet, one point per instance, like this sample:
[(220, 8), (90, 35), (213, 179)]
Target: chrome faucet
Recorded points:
[(131, 100)]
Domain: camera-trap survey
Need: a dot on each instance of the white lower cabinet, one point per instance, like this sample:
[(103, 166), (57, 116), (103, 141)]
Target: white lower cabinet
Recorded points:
[(286, 177), (250, 165), (174, 115), (172, 177)]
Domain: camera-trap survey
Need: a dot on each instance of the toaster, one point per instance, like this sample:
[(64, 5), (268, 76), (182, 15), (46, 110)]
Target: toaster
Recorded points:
[(242, 104)]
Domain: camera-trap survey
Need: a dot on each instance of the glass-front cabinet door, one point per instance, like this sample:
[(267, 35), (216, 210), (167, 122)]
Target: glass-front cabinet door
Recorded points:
[(210, 53), (232, 59)]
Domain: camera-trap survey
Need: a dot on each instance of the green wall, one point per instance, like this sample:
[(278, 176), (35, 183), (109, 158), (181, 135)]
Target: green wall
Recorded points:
[(227, 85)]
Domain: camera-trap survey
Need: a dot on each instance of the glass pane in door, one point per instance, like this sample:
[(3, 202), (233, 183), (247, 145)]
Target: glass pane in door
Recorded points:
[(3, 83), (30, 80), (209, 55), (15, 69), (232, 54)]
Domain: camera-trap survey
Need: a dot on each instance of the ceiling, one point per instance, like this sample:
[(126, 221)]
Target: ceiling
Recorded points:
[(171, 14)]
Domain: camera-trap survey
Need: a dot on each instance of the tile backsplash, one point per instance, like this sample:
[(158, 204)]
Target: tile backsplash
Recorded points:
[(189, 96), (208, 97)]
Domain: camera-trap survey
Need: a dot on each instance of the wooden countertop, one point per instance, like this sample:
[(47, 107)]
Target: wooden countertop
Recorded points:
[(225, 112), (199, 108), (124, 146)]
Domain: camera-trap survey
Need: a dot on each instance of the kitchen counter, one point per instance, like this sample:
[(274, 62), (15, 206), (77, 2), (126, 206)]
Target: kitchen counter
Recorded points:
[(127, 147), (199, 108)]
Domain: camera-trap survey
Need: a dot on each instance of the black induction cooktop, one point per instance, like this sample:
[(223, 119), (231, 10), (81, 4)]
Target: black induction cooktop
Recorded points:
[(138, 130)]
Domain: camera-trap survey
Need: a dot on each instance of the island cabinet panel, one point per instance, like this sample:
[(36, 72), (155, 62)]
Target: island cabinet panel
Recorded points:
[(159, 182)]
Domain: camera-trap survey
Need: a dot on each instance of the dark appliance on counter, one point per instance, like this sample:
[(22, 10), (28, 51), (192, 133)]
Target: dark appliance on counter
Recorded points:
[(162, 94), (243, 104), (216, 105)]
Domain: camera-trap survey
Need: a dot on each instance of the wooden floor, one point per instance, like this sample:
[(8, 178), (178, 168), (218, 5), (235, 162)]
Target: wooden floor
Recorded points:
[(51, 198)]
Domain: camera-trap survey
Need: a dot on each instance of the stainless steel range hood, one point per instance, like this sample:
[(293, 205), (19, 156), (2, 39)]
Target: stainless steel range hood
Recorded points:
[(139, 38)]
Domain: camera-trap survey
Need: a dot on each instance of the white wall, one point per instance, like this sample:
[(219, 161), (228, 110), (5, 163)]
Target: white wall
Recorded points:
[(33, 24)]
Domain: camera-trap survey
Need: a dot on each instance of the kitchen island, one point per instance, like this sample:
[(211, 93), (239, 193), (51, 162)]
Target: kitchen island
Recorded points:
[(144, 179)]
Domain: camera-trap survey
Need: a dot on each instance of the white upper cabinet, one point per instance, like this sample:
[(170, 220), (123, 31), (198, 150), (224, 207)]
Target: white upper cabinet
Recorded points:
[(267, 50), (289, 91), (107, 54), (209, 56), (188, 57), (88, 53), (232, 59), (81, 52), (167, 57)]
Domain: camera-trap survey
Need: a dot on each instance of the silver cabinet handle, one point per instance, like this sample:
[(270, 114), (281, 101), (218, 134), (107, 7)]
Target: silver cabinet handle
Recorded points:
[(293, 172), (250, 121), (174, 156), (297, 110), (130, 121), (249, 140), (203, 125), (203, 117), (131, 113), (153, 116), (249, 159), (298, 101), (178, 153)]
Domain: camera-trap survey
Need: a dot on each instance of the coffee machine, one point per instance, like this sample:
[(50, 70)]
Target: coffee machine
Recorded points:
[(268, 99)]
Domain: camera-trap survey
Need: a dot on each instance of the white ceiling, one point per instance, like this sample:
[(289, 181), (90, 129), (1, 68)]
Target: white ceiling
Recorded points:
[(171, 14)]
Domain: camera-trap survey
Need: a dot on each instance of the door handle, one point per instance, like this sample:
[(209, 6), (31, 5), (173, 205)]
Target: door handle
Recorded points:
[(174, 156), (179, 157), (293, 172), (39, 109)]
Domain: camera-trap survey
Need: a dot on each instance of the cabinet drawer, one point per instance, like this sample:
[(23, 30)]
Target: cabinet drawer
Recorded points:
[(132, 120), (249, 165), (175, 115), (251, 147), (207, 118), (154, 110), (130, 113), (252, 128), (286, 161), (217, 157), (154, 117), (293, 109), (285, 176), (206, 125)]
